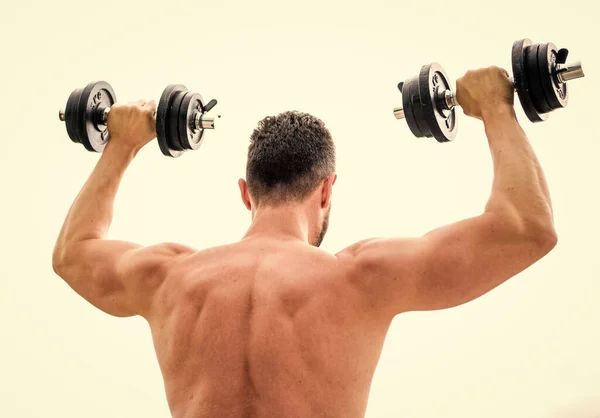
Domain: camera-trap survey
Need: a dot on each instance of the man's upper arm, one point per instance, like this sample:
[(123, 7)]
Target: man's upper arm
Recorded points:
[(448, 266), (118, 277)]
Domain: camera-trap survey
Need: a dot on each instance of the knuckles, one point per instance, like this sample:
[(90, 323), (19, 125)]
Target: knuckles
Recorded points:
[(133, 109), (483, 72)]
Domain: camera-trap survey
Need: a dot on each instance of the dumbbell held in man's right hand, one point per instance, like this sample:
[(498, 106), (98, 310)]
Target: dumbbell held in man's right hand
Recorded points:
[(540, 79), (180, 118)]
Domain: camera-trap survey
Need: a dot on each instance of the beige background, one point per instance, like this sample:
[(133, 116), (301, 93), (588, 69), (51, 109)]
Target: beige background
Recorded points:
[(528, 349)]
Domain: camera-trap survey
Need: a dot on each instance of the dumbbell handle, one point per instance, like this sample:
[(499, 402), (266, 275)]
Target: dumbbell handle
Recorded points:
[(564, 73), (200, 121)]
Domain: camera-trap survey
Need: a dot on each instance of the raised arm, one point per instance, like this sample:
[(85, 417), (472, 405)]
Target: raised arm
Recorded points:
[(117, 277), (457, 263)]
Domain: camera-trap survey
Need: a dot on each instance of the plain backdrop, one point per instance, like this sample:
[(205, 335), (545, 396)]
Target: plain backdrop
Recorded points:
[(528, 349)]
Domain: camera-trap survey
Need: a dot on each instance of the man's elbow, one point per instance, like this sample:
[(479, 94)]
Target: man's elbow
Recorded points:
[(61, 260), (58, 261), (544, 238)]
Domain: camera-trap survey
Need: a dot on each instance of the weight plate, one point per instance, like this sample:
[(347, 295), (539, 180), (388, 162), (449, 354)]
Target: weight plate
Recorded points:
[(532, 72), (162, 120), (408, 103), (71, 114), (189, 136), (95, 97), (417, 108), (439, 121), (521, 82), (173, 121), (555, 93)]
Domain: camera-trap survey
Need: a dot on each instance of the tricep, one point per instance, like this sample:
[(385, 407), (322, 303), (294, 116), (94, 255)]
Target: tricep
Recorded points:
[(448, 266)]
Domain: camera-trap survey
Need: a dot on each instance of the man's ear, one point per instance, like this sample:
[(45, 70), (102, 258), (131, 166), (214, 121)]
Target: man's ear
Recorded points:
[(245, 194), (327, 190)]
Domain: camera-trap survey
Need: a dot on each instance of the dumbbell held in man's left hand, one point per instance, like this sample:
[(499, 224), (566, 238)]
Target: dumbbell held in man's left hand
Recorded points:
[(540, 78), (180, 119)]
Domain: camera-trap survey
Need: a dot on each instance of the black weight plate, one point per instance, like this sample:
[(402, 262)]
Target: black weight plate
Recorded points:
[(71, 115), (162, 121), (532, 72), (408, 104), (173, 121), (417, 108), (521, 81), (189, 136), (433, 81), (95, 97), (554, 92)]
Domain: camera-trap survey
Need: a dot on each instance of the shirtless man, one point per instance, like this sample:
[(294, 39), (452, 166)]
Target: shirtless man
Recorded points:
[(272, 326)]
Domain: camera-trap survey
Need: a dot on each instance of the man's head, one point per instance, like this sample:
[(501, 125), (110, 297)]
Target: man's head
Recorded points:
[(291, 161)]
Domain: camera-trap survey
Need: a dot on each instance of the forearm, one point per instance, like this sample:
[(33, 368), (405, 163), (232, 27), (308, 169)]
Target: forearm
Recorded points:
[(91, 214), (519, 183)]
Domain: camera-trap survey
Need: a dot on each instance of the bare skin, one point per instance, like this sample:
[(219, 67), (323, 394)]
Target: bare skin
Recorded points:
[(272, 326)]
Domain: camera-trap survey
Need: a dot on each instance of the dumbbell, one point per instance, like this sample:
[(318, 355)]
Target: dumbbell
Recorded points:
[(540, 78), (180, 118)]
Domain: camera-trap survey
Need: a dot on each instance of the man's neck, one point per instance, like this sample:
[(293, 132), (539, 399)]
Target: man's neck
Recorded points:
[(286, 222)]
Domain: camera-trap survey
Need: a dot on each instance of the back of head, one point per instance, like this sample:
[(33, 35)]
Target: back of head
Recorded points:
[(289, 156)]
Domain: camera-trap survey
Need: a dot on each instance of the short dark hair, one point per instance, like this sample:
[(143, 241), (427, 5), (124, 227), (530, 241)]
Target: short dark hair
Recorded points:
[(289, 155)]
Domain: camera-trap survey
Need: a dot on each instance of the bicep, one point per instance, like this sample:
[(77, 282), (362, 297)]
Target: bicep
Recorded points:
[(446, 267), (117, 277)]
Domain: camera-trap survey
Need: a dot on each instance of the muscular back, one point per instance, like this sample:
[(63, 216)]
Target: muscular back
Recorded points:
[(272, 328), (263, 328)]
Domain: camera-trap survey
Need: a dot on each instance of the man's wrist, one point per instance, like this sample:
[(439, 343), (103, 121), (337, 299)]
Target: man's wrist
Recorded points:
[(122, 147), (499, 116)]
